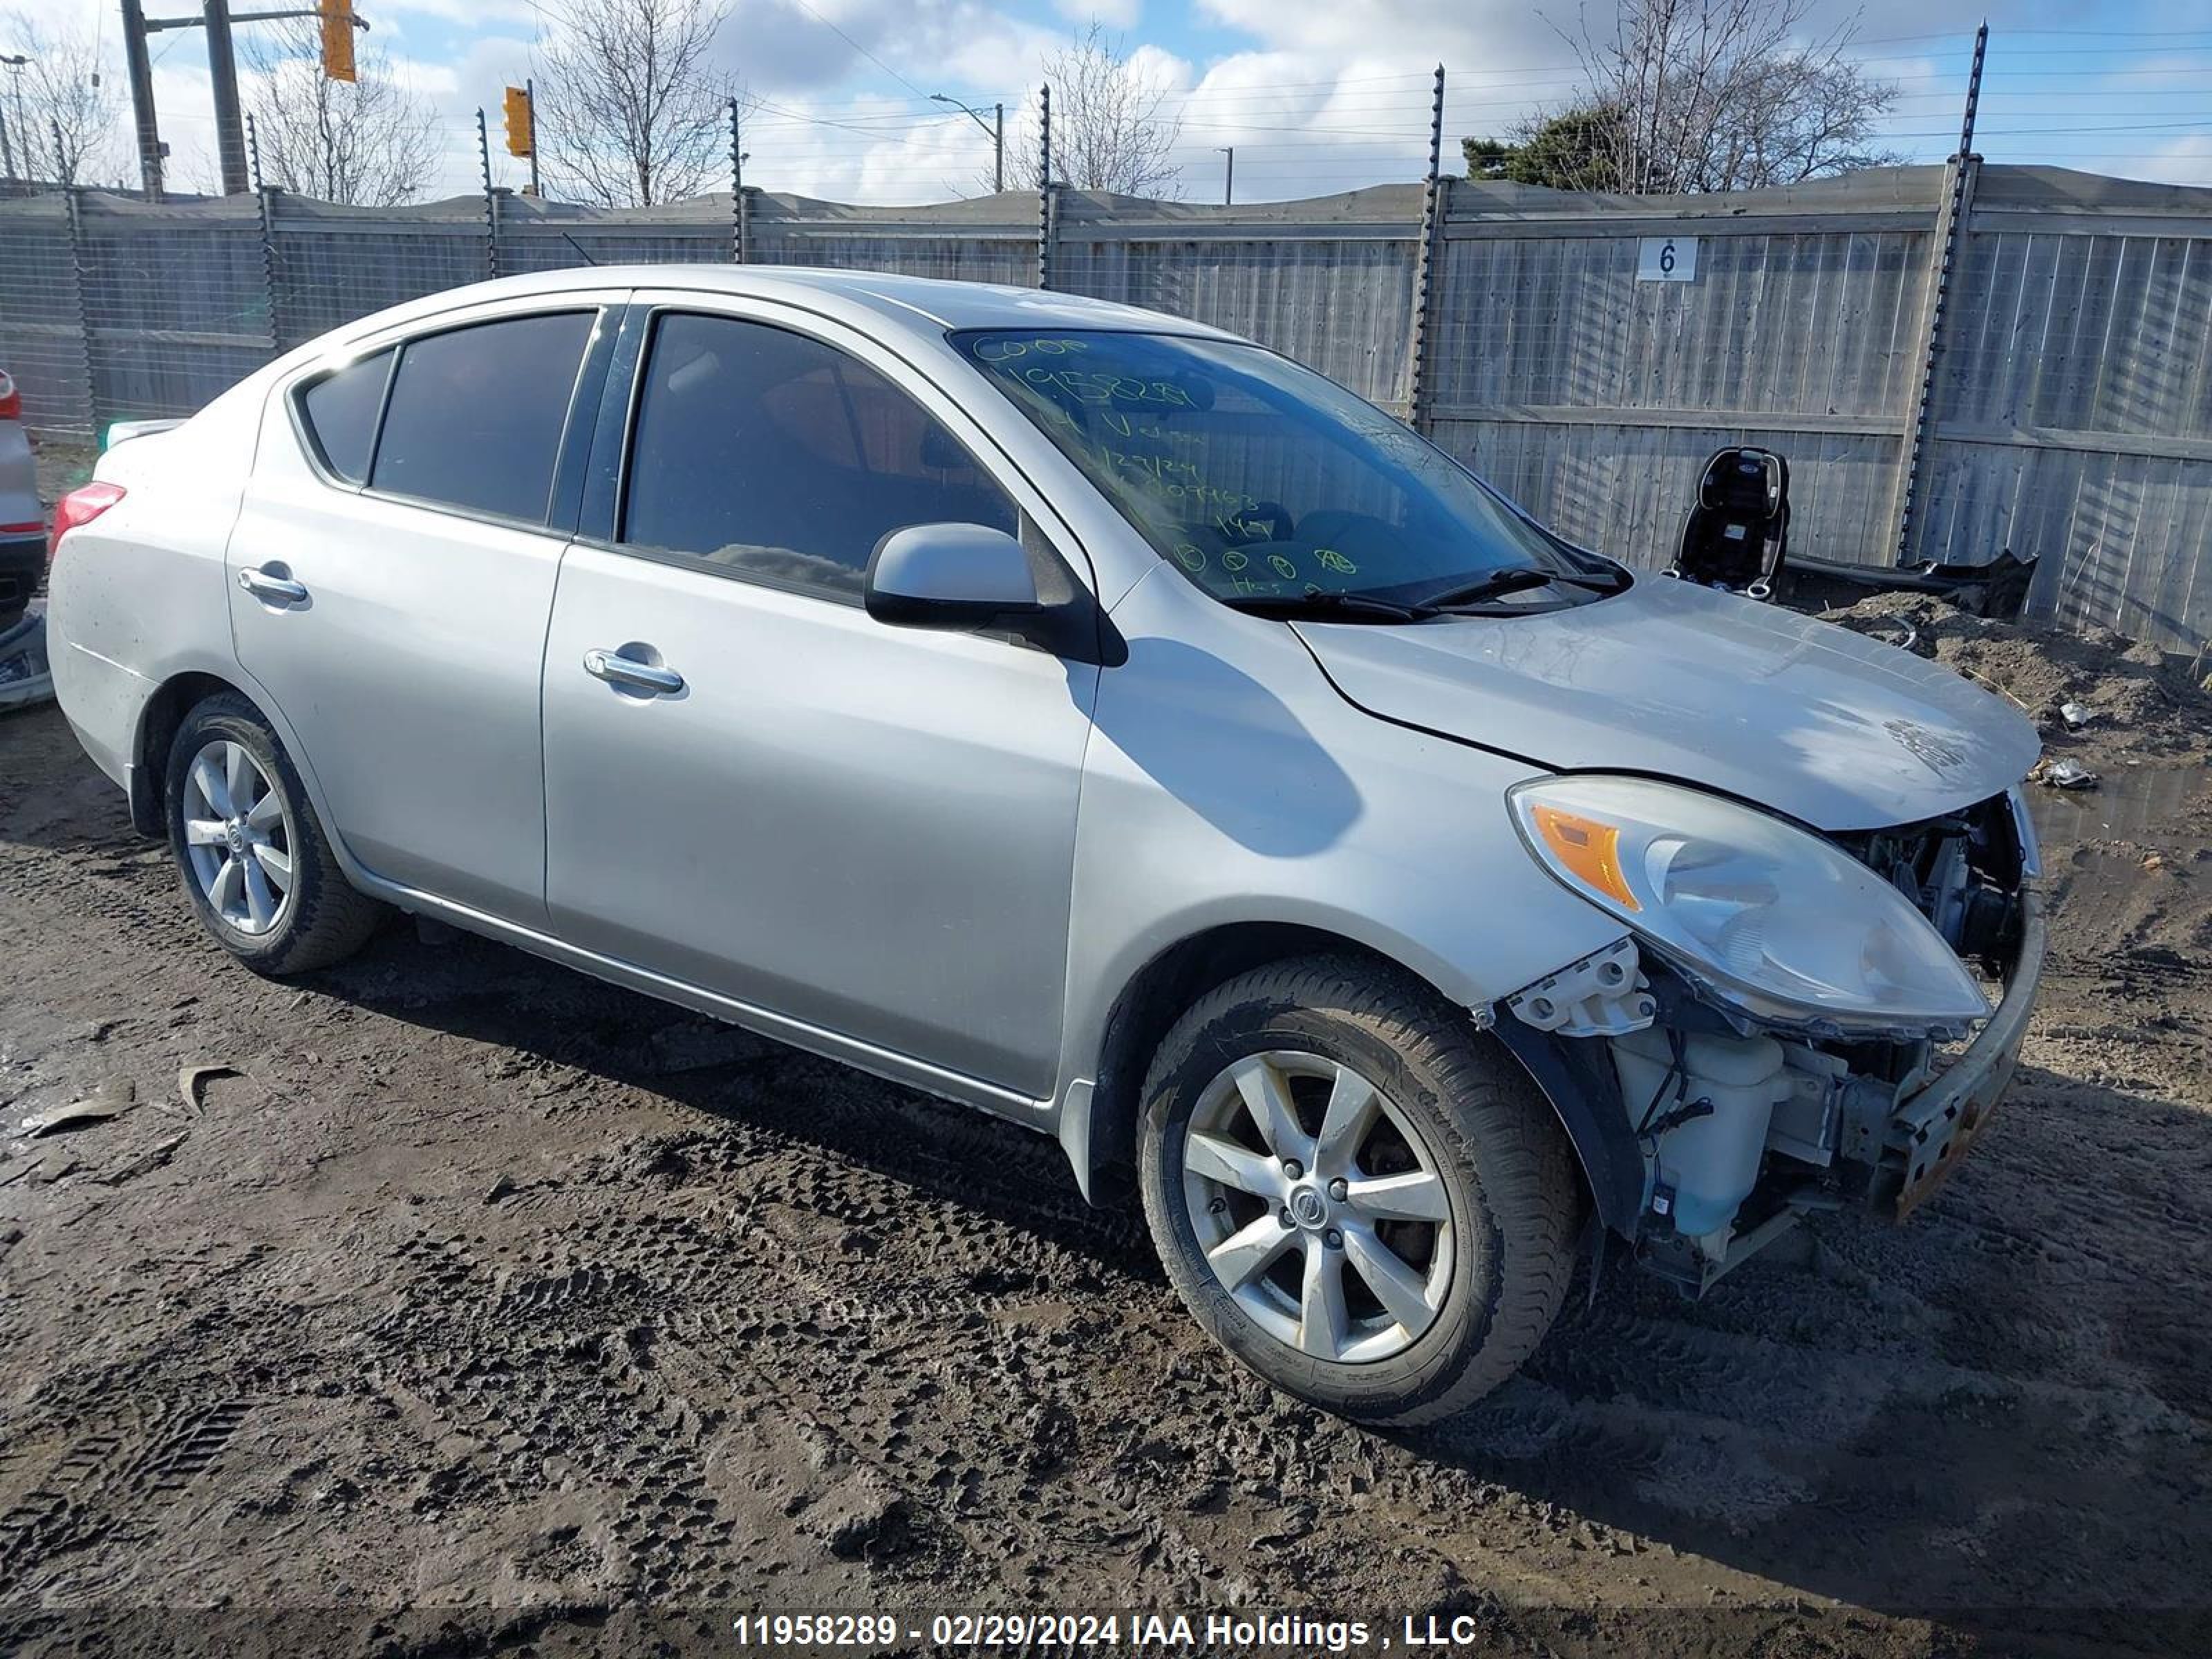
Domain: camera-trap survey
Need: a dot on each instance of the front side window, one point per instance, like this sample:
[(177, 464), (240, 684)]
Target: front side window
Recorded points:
[(764, 451), (340, 411), (475, 414), (1271, 485)]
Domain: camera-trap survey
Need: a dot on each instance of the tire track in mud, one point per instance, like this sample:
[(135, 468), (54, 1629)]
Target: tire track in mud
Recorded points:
[(657, 1327), (106, 1488)]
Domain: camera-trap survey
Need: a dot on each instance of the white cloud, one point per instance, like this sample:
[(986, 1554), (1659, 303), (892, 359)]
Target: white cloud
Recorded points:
[(1114, 14), (2174, 162)]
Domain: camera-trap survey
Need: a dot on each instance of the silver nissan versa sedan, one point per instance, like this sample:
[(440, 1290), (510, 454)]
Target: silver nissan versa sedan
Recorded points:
[(1098, 719)]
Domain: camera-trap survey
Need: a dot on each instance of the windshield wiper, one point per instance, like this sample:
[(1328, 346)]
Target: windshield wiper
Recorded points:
[(1323, 604), (1515, 579)]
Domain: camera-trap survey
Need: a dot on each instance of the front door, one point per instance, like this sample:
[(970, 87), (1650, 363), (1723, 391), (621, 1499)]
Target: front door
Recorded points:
[(753, 787)]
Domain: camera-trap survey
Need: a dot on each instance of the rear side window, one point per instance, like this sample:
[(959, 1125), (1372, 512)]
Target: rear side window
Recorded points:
[(769, 452), (340, 412), (475, 414)]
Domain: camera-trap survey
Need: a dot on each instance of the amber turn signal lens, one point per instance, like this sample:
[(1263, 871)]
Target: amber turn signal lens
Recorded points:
[(1588, 850)]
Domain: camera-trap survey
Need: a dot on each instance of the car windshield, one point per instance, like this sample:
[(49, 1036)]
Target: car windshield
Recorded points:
[(1271, 487)]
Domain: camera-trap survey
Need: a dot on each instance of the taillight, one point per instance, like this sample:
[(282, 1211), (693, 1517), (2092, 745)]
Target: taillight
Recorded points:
[(11, 401), (80, 507)]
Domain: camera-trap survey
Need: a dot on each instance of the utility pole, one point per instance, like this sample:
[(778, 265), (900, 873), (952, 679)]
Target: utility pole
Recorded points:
[(16, 65), (996, 127), (1229, 176), (222, 72), (530, 92), (140, 64), (7, 144)]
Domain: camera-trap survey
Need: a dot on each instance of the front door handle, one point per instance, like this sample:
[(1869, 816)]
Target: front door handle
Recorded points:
[(618, 670), (267, 585)]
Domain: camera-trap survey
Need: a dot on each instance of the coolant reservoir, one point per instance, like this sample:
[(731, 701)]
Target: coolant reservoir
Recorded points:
[(1712, 1162)]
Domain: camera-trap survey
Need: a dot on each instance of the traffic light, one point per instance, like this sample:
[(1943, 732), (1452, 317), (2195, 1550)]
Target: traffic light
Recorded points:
[(337, 39), (521, 123)]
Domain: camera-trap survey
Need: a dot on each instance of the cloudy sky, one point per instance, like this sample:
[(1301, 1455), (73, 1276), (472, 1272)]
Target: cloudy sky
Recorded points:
[(1315, 95)]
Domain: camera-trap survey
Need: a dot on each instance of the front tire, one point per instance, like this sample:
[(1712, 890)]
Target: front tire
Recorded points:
[(1359, 1195), (254, 860)]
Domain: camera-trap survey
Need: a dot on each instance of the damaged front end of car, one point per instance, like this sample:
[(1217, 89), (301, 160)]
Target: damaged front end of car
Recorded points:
[(1792, 1021)]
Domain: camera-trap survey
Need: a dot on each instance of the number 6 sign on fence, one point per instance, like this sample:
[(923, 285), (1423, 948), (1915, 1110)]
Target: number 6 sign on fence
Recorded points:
[(1666, 260)]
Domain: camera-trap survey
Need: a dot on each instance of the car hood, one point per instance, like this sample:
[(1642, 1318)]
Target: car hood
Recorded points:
[(1836, 730)]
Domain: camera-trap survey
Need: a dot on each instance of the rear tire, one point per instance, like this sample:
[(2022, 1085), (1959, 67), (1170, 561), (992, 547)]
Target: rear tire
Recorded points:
[(254, 860), (1423, 1246)]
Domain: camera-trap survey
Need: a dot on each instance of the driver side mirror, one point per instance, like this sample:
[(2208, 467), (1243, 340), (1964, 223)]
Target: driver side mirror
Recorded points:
[(949, 576)]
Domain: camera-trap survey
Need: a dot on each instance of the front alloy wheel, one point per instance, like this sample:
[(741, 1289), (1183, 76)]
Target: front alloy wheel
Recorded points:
[(1338, 1242), (1360, 1195)]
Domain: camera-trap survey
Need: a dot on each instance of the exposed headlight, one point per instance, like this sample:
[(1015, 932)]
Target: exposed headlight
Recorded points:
[(1778, 921)]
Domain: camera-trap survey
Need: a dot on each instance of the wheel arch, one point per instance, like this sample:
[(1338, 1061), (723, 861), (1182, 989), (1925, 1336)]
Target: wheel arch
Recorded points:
[(1099, 1131), (164, 712), (158, 720)]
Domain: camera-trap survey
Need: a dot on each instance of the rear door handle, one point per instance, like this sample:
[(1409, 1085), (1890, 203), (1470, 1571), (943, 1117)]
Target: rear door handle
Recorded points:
[(618, 670), (267, 585)]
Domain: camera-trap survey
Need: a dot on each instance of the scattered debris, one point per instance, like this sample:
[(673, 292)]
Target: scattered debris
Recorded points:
[(113, 1097), (2068, 774), (192, 1081), (26, 677), (502, 1188), (2119, 697)]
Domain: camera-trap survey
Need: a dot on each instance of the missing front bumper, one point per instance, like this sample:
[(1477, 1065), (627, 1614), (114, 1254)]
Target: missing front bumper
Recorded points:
[(1929, 1132)]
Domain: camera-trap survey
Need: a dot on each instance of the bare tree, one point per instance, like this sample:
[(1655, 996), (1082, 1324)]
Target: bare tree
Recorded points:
[(631, 110), (1108, 132), (62, 118), (368, 142), (1716, 94)]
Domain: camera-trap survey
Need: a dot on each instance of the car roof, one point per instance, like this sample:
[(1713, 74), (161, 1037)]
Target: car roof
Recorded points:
[(904, 303)]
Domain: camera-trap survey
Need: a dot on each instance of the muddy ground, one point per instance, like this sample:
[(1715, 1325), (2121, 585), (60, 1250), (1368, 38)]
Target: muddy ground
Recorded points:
[(478, 1289)]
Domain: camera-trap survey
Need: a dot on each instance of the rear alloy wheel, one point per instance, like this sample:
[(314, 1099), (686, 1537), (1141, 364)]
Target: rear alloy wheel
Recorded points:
[(238, 837), (255, 862), (1359, 1194)]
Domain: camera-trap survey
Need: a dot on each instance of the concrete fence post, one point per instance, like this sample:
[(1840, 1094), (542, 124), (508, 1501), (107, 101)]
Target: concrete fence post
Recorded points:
[(80, 285), (739, 217), (1047, 219), (1944, 241), (1418, 387), (490, 198), (265, 216)]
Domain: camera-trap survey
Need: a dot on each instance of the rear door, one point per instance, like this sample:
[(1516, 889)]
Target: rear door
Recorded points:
[(393, 571), (866, 829)]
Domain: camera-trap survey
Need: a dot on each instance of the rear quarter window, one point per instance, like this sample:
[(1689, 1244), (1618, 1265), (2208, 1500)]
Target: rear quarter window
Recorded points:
[(339, 414)]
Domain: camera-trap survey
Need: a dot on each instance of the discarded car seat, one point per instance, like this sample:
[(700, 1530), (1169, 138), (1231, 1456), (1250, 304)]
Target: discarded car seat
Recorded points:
[(1736, 535)]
